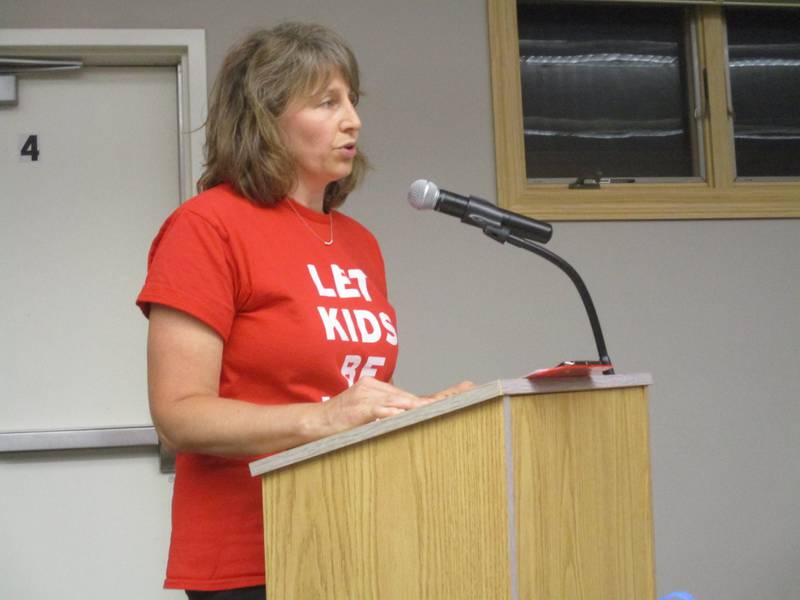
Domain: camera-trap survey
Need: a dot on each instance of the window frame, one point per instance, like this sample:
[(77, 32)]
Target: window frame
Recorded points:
[(720, 196)]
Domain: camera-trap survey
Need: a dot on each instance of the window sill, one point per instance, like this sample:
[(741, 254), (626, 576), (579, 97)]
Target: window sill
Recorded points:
[(655, 201)]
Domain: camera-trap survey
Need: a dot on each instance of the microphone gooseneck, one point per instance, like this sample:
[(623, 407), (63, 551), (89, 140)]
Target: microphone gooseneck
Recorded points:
[(506, 226)]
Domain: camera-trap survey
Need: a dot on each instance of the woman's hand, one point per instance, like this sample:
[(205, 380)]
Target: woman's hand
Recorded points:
[(185, 358), (451, 391), (367, 400)]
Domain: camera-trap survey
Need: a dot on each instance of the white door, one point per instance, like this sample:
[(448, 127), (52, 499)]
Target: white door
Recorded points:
[(75, 226)]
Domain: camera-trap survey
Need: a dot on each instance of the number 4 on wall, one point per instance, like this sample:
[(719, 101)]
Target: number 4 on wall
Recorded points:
[(29, 150)]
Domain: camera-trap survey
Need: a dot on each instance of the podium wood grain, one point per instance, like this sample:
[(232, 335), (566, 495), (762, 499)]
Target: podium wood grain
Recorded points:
[(397, 513), (581, 464)]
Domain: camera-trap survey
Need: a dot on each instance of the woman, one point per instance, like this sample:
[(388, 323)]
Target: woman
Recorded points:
[(269, 320)]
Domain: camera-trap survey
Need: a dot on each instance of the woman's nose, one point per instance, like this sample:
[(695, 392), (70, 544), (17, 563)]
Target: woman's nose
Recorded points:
[(351, 119)]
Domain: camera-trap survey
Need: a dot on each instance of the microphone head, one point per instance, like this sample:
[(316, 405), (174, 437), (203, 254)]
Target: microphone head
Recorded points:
[(423, 194)]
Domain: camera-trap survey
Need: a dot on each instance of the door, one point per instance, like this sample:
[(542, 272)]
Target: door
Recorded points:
[(89, 165)]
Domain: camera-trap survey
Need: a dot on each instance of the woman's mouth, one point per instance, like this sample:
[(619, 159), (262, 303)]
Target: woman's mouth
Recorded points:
[(348, 149)]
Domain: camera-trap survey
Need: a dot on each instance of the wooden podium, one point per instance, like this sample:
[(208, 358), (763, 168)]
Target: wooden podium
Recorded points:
[(515, 489)]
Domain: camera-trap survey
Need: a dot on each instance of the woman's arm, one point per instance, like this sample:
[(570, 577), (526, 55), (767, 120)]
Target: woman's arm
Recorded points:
[(184, 358)]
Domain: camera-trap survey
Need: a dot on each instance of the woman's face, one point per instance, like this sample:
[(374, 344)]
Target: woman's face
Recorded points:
[(321, 132)]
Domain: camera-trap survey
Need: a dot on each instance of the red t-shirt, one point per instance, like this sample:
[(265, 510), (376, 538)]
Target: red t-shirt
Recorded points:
[(300, 321)]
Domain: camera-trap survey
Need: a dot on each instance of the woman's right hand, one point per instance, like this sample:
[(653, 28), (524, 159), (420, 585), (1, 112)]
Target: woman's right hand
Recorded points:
[(184, 361), (367, 400)]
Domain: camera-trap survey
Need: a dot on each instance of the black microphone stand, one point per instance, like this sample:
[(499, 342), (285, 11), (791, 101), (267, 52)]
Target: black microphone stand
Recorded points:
[(503, 235)]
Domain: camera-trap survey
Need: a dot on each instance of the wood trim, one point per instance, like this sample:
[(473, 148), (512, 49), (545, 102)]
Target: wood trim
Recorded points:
[(658, 201), (721, 197), (720, 155), (506, 100)]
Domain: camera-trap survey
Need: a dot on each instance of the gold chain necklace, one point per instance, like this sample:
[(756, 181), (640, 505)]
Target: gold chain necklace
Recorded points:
[(311, 229)]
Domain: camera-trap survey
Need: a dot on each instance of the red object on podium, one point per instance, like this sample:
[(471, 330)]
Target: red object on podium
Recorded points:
[(572, 368)]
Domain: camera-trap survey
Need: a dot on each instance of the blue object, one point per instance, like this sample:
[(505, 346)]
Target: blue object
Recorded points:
[(677, 596)]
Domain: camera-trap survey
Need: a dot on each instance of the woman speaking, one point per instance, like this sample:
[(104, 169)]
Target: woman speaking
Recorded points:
[(269, 320)]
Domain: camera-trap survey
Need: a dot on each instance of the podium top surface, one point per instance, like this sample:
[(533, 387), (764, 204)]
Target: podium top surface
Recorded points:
[(481, 393)]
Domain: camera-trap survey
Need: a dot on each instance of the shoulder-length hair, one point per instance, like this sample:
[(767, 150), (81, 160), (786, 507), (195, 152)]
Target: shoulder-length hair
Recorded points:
[(259, 77)]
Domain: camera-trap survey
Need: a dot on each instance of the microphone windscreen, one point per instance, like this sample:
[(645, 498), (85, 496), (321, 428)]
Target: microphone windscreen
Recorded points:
[(423, 194)]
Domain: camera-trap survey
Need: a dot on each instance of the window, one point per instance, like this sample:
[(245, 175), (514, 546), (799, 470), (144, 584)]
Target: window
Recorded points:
[(764, 75), (608, 89), (684, 111)]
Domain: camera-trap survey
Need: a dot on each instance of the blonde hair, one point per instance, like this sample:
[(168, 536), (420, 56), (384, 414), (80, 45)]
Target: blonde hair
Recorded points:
[(258, 79)]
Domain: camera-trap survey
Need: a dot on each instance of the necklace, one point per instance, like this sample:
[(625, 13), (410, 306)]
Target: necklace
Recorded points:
[(311, 229)]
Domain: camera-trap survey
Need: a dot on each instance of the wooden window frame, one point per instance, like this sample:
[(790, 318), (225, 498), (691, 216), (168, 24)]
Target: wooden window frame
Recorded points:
[(721, 196)]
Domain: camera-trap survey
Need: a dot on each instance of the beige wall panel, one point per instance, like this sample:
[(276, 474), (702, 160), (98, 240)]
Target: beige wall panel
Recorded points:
[(429, 507), (581, 465)]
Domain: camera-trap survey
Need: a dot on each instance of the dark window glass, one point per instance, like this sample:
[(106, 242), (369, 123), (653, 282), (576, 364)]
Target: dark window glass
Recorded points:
[(764, 71), (606, 88)]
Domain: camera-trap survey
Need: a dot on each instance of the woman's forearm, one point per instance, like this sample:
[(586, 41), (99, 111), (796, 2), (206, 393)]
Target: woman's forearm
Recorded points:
[(225, 427)]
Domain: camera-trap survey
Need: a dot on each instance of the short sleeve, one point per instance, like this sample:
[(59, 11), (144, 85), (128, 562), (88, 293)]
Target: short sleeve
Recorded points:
[(190, 268)]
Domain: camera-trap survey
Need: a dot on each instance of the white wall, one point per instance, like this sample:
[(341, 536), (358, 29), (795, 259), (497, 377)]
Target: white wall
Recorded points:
[(710, 308)]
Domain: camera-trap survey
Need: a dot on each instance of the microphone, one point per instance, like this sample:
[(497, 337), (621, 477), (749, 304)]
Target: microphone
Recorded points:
[(424, 195), (506, 226)]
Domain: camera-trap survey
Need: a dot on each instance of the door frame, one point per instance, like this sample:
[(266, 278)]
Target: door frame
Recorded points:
[(186, 50), (183, 48)]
